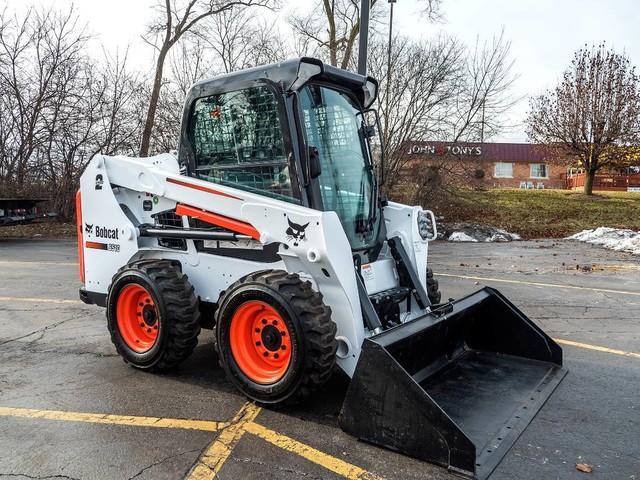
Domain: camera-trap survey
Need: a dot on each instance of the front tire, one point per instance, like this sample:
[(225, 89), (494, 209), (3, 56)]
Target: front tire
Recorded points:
[(275, 337), (152, 314)]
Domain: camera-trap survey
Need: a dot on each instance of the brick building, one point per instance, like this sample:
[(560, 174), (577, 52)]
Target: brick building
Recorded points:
[(499, 165)]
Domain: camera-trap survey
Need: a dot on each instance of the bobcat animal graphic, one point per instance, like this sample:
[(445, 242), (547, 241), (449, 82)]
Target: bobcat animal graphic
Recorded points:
[(88, 229), (296, 232)]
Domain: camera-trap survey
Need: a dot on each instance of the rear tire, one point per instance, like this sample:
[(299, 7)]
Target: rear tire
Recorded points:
[(275, 337), (433, 288), (152, 315)]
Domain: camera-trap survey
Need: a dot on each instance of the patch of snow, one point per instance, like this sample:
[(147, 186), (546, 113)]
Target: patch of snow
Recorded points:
[(461, 237), (502, 236), (619, 239), (472, 232)]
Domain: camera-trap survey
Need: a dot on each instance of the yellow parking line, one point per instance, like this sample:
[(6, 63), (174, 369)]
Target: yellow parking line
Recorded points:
[(214, 457), (219, 451), (316, 456), (38, 300), (537, 284), (597, 348), (105, 419)]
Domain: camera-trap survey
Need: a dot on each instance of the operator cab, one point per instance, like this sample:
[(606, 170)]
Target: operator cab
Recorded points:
[(293, 131)]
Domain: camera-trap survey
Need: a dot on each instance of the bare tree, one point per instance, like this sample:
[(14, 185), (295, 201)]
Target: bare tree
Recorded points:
[(233, 40), (36, 55), (94, 114), (59, 107), (120, 121), (230, 38), (238, 40), (485, 94), (171, 24), (331, 29), (426, 76), (440, 90), (267, 45), (593, 113)]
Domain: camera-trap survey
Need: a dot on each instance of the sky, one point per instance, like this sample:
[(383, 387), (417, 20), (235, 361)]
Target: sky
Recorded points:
[(543, 33)]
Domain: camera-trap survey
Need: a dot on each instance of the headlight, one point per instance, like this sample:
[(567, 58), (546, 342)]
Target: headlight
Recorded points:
[(424, 225)]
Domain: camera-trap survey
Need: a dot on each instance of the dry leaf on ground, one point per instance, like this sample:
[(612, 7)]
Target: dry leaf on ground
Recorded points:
[(584, 467)]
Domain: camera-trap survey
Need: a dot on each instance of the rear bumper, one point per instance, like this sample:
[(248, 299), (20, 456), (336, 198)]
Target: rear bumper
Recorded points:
[(92, 298)]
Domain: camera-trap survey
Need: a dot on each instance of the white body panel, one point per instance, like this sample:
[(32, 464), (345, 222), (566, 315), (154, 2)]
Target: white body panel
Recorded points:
[(146, 186)]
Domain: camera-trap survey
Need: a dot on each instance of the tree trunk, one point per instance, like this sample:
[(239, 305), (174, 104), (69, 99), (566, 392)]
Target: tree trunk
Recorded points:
[(588, 184), (153, 103)]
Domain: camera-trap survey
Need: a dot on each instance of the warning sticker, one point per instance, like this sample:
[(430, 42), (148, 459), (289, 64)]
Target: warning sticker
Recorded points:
[(367, 272)]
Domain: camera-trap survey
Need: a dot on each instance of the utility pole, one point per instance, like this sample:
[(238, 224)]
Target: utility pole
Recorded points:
[(364, 37), (388, 83), (388, 86)]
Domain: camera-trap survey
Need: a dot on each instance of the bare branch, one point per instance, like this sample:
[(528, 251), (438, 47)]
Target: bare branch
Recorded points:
[(593, 114)]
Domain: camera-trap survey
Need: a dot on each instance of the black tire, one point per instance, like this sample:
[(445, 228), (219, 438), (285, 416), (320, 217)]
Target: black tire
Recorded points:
[(178, 316), (311, 331), (433, 288)]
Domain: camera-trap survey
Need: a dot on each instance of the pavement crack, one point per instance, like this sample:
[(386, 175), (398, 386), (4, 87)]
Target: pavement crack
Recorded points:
[(159, 462), (40, 330), (43, 477)]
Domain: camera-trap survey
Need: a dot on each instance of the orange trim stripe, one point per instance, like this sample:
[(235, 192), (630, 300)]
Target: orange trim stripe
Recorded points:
[(219, 220), (80, 238), (96, 245), (202, 188)]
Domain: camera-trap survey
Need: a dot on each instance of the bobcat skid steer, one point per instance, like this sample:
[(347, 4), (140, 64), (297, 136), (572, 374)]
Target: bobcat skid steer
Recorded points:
[(268, 226)]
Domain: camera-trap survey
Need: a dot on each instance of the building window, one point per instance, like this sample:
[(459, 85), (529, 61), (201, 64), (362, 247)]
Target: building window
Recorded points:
[(503, 170), (538, 170)]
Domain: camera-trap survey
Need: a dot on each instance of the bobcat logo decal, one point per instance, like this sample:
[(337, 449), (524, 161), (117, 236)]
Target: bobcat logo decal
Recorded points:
[(296, 232), (88, 229)]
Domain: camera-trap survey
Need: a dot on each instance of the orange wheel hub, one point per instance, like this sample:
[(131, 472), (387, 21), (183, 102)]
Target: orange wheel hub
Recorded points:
[(260, 342), (137, 317)]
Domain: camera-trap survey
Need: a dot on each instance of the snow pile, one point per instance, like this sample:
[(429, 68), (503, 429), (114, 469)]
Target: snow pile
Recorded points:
[(473, 232), (619, 239), (461, 237)]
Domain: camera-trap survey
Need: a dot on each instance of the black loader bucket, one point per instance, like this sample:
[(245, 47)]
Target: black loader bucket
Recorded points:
[(456, 387)]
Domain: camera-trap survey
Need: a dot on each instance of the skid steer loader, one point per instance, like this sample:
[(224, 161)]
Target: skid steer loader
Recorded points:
[(268, 226)]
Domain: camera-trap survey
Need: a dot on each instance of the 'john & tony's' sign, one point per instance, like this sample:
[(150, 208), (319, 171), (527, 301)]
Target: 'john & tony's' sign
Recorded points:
[(451, 149)]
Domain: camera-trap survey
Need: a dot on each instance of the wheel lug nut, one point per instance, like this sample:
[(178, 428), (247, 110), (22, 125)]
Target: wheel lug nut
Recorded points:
[(257, 330), (283, 333), (275, 322), (155, 326), (266, 354), (275, 355), (141, 304), (264, 321), (258, 344), (148, 330), (139, 314), (142, 324), (283, 347)]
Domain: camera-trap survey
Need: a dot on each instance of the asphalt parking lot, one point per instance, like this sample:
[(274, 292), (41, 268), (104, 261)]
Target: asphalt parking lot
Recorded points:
[(70, 408)]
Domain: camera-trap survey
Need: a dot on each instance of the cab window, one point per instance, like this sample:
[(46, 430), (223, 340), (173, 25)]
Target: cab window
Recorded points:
[(237, 141)]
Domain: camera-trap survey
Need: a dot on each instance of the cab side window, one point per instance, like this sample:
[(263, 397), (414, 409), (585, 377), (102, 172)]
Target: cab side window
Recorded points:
[(237, 141)]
